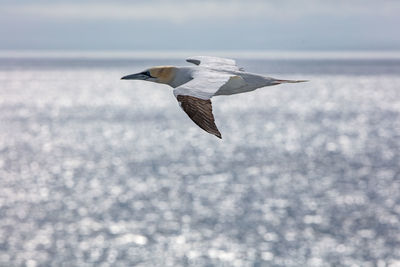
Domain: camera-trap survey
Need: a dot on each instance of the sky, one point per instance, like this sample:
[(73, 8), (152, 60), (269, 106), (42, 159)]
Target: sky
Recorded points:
[(200, 25)]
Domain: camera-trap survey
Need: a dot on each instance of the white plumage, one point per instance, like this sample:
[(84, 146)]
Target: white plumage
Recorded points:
[(195, 86)]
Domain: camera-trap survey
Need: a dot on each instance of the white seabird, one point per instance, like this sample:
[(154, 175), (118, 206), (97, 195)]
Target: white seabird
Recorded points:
[(194, 86)]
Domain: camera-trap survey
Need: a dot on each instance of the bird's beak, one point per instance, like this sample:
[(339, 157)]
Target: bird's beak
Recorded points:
[(136, 76)]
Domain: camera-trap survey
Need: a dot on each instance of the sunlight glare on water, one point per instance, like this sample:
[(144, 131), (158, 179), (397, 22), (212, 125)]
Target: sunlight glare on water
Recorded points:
[(95, 171)]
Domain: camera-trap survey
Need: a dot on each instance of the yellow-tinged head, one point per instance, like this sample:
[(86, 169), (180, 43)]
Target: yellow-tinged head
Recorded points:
[(159, 74)]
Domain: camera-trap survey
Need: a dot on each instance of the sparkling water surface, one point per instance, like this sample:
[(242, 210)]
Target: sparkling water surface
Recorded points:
[(95, 171)]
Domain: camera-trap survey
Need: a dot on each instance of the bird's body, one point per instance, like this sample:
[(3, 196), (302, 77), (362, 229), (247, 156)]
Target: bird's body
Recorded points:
[(195, 85)]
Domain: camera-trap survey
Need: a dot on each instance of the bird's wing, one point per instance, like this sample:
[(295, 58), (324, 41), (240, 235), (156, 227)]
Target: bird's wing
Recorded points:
[(215, 63), (204, 84), (200, 112), (194, 98)]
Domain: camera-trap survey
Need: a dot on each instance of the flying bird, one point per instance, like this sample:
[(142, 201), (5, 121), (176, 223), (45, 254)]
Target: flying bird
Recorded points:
[(194, 86)]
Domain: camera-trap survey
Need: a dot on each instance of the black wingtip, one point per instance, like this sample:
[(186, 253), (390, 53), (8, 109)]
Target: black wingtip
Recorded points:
[(218, 135)]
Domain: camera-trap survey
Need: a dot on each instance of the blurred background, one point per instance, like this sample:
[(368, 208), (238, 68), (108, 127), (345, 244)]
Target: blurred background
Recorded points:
[(200, 25), (95, 171)]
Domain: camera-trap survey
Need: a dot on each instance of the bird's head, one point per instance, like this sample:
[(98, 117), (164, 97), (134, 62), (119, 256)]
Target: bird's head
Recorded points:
[(160, 74)]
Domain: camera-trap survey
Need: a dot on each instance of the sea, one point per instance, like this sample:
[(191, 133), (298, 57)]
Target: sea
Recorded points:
[(95, 171)]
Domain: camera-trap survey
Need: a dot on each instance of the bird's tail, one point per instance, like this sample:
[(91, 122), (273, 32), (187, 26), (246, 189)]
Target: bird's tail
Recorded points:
[(290, 81)]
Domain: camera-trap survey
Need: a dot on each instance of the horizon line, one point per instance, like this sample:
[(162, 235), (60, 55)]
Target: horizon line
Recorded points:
[(183, 53)]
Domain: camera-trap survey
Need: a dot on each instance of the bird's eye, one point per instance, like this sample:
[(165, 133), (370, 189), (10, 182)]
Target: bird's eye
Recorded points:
[(147, 73)]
